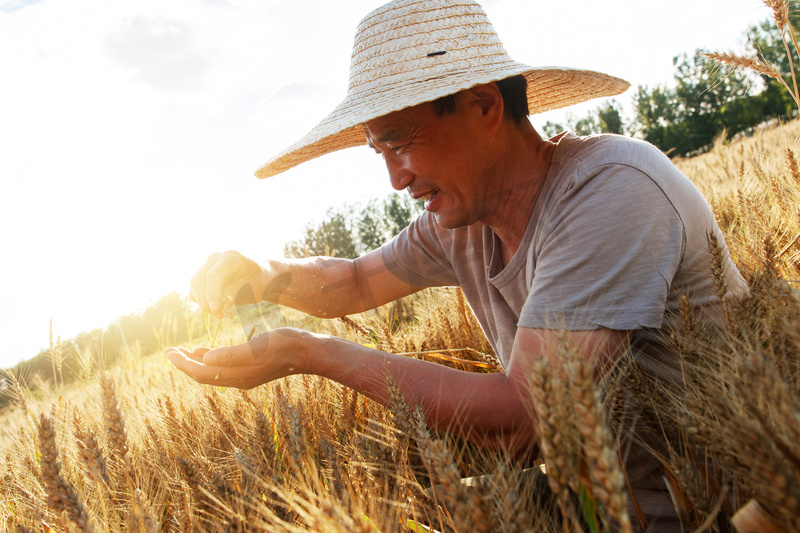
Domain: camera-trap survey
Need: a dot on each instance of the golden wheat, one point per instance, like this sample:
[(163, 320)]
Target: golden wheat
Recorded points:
[(160, 451)]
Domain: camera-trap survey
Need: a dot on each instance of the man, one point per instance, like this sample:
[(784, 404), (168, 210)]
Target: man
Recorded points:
[(594, 236)]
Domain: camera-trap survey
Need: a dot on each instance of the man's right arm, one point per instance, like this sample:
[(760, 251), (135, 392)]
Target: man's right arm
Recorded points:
[(321, 286)]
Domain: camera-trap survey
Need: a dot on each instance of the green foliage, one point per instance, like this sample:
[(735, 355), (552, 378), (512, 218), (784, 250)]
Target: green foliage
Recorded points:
[(609, 119), (333, 237), (399, 211), (351, 231), (704, 101), (371, 227), (709, 99), (605, 119)]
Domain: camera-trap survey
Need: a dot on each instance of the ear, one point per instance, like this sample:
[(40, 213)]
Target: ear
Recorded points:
[(489, 102)]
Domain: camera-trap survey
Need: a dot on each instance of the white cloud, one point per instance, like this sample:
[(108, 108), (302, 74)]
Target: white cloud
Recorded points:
[(15, 5), (163, 53)]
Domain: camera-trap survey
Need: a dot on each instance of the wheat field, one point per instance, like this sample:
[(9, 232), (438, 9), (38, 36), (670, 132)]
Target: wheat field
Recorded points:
[(140, 447)]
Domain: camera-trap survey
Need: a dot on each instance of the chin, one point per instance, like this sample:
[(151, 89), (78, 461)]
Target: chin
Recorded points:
[(450, 222)]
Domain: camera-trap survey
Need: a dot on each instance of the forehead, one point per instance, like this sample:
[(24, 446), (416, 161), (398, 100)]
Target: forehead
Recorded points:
[(394, 126)]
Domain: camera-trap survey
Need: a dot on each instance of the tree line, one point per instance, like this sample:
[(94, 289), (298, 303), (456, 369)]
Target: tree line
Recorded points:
[(704, 101), (171, 321)]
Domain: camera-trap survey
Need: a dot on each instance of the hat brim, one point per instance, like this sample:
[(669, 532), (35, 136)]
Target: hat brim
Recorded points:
[(549, 88)]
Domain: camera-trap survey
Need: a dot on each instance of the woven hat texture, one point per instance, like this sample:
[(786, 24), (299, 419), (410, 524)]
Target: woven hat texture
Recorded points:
[(408, 52)]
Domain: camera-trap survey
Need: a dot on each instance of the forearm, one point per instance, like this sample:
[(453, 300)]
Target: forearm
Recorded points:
[(331, 287), (482, 408), (321, 286)]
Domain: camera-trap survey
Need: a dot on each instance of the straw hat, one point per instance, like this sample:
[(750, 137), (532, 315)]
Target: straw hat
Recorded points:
[(413, 51)]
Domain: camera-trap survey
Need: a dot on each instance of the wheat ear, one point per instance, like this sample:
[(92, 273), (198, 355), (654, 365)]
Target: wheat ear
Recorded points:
[(465, 505), (351, 324), (599, 444), (555, 426), (115, 424), (792, 162), (264, 443), (141, 518), (61, 495), (756, 65), (401, 413), (227, 426), (752, 63), (91, 453)]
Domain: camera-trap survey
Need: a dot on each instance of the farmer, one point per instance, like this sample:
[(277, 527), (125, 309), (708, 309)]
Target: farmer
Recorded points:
[(596, 236)]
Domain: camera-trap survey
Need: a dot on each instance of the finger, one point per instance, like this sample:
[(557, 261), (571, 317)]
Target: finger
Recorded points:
[(198, 282), (176, 349), (196, 354), (241, 377), (207, 375)]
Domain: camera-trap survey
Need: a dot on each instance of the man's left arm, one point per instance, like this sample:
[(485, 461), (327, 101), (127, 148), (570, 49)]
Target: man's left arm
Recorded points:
[(491, 410)]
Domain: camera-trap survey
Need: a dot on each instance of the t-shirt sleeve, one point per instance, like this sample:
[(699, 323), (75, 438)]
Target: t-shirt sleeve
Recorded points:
[(418, 254), (607, 252)]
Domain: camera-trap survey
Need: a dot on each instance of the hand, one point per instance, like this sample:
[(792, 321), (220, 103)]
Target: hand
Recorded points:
[(226, 279), (269, 356)]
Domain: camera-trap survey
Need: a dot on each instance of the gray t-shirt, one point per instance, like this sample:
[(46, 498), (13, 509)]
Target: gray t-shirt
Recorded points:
[(617, 234)]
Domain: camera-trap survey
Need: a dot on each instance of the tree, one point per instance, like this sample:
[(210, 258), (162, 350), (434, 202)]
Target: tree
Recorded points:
[(399, 211), (702, 105), (764, 40), (332, 237), (609, 118), (371, 226), (551, 129), (584, 126), (349, 232), (605, 119)]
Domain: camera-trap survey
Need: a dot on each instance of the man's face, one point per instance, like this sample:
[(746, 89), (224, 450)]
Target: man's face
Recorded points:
[(438, 159)]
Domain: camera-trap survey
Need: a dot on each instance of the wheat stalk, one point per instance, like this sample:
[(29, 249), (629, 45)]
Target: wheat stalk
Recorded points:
[(757, 65)]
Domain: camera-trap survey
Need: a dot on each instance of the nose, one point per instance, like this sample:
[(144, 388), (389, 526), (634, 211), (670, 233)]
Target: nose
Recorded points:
[(399, 176)]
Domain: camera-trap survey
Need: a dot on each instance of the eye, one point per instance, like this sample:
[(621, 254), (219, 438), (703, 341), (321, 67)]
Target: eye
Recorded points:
[(398, 149)]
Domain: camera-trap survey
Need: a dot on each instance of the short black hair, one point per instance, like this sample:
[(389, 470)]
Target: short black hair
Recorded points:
[(514, 91)]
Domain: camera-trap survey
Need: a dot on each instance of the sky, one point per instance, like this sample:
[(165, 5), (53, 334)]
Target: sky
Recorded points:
[(130, 131)]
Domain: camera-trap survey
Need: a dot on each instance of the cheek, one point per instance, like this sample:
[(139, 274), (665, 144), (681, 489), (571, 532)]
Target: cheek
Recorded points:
[(413, 162)]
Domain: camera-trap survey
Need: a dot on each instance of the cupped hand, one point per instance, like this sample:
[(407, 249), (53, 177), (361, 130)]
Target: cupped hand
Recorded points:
[(226, 279), (269, 356)]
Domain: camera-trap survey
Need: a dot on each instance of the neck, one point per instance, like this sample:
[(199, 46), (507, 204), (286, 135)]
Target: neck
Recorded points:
[(520, 174)]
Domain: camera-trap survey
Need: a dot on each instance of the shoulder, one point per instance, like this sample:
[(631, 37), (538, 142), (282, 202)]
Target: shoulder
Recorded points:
[(607, 149), (620, 162)]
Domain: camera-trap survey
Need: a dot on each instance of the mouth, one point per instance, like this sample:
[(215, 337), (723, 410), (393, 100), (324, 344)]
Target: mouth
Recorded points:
[(427, 197)]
